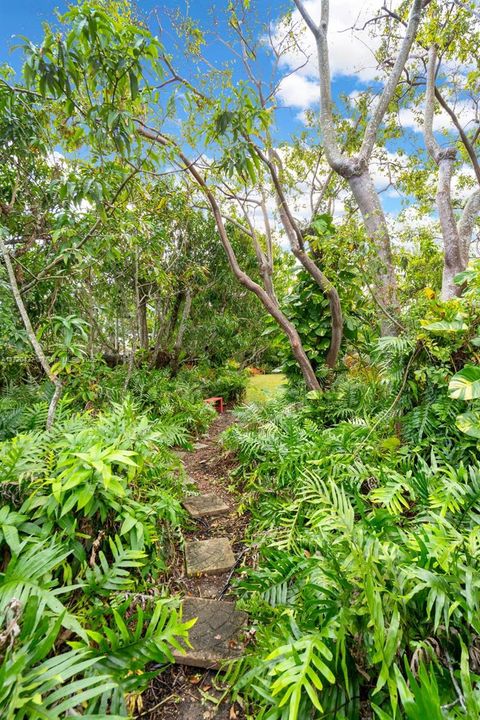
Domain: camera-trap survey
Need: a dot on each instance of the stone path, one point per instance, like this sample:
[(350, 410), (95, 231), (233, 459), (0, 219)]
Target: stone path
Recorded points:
[(205, 506), (208, 557), (211, 554)]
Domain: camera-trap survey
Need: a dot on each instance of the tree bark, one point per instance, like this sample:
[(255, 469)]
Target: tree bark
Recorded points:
[(295, 238), (452, 253), (142, 318), (467, 223), (366, 196), (187, 306), (31, 336), (456, 238)]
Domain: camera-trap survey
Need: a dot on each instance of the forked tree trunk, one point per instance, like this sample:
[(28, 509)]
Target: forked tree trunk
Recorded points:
[(456, 237), (355, 169)]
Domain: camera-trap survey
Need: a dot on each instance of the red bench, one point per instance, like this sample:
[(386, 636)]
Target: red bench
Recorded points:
[(217, 403)]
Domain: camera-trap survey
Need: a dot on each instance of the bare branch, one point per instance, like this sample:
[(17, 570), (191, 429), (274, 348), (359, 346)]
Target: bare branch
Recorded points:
[(432, 145), (31, 334), (308, 18), (392, 82)]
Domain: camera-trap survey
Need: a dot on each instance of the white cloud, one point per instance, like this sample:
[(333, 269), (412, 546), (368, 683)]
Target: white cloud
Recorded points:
[(351, 52), (298, 91), (442, 122)]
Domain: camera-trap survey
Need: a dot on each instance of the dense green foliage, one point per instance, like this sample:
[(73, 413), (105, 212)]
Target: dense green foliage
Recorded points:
[(89, 511), (365, 503), (89, 520)]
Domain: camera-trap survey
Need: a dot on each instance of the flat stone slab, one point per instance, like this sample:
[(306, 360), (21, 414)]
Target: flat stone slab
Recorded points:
[(208, 556), (200, 446), (215, 637), (205, 506)]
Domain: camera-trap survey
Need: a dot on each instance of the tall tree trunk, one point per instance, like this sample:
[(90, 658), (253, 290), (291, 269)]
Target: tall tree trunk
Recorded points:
[(456, 238), (355, 169), (364, 192), (140, 306), (142, 318), (467, 223), (453, 261), (31, 336), (187, 306)]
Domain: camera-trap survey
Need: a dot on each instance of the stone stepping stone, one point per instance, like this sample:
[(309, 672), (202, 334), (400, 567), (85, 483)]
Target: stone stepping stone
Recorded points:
[(205, 506), (215, 635), (200, 446), (208, 556)]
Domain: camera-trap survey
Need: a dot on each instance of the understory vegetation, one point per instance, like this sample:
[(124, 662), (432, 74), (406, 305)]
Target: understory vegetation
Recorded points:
[(90, 517), (365, 497)]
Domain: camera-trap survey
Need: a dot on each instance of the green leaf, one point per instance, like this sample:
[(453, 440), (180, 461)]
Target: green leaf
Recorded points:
[(469, 423), (133, 84), (465, 385), (452, 326)]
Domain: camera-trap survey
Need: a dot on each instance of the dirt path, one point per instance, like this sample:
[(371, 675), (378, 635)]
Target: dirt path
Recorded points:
[(189, 693)]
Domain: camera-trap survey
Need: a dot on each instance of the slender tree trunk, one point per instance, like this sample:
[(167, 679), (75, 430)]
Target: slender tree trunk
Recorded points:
[(452, 252), (364, 192), (467, 223), (187, 306), (131, 359), (455, 256), (142, 320), (140, 307), (297, 245), (32, 337)]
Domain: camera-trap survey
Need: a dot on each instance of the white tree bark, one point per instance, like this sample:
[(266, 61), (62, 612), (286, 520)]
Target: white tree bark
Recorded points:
[(466, 224), (363, 190), (356, 168), (456, 237)]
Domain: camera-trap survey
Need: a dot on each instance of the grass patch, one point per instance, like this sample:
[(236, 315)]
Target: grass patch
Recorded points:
[(261, 388)]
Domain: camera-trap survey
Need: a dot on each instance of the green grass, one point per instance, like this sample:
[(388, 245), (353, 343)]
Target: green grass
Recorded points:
[(261, 388)]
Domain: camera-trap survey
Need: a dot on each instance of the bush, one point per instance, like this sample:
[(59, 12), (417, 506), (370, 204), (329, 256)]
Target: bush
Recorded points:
[(365, 595), (89, 512)]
